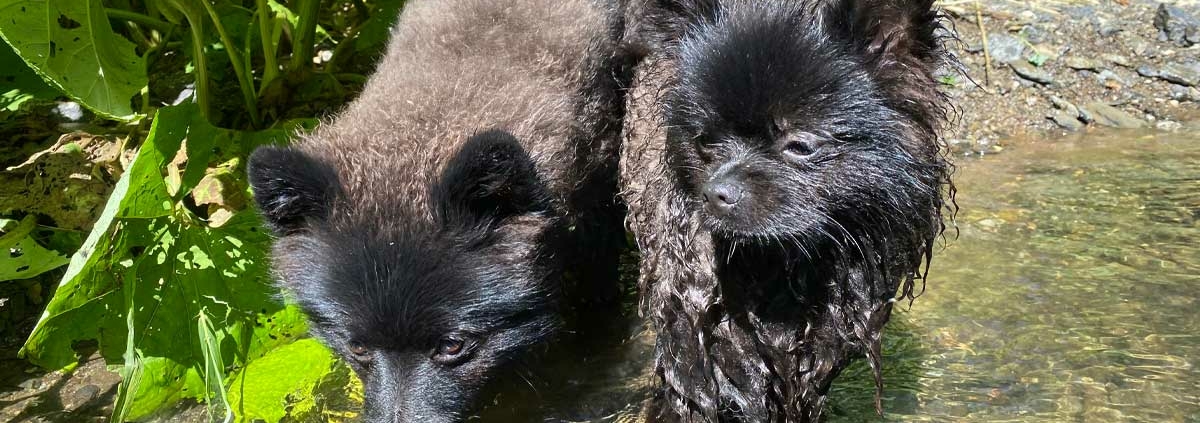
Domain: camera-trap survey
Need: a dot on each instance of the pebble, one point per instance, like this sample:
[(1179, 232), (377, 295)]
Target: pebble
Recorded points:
[(1082, 63), (1028, 71), (1106, 76), (1118, 60), (1066, 120), (31, 384), (1182, 93), (1175, 24), (83, 396), (1179, 73), (1034, 34), (1005, 48), (1106, 115), (1064, 105), (1108, 29), (1147, 71), (1169, 126)]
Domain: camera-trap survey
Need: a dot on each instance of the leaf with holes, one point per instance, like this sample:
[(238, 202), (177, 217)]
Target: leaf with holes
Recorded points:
[(18, 83), (21, 257), (151, 266), (72, 45)]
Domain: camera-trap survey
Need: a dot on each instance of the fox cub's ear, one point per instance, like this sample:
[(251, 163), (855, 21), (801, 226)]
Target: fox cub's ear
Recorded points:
[(490, 178), (900, 42), (890, 32), (291, 188)]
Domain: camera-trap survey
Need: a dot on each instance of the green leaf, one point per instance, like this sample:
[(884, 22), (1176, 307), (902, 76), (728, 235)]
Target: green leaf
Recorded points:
[(378, 29), (148, 269), (293, 381), (18, 83), (293, 19), (72, 45), (21, 257), (1038, 59), (214, 369)]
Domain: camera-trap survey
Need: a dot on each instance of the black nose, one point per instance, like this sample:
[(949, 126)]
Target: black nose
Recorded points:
[(723, 194)]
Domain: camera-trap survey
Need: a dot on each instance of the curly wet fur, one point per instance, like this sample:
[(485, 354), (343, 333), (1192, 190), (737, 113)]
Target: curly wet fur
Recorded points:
[(756, 317), (449, 199)]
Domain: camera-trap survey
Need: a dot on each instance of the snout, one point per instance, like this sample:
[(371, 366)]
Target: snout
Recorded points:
[(723, 193), (410, 390)]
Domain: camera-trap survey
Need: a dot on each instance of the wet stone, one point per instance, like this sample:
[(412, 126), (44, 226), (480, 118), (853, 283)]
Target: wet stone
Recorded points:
[(1064, 105), (1029, 72), (1182, 74), (1106, 115), (1066, 120)]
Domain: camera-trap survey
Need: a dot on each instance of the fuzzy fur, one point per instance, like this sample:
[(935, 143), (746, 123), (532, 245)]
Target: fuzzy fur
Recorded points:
[(825, 117), (427, 228)]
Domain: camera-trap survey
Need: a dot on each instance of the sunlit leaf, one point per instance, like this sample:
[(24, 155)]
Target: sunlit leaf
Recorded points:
[(18, 83), (289, 382), (71, 44), (153, 258), (21, 257)]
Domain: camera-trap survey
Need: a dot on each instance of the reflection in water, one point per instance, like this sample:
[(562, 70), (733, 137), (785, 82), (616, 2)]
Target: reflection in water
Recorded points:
[(1071, 294)]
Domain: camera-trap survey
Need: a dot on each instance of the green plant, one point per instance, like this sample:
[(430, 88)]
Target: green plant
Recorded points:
[(171, 286)]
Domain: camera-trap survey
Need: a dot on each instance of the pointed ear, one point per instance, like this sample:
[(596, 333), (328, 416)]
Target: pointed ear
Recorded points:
[(490, 178), (900, 42), (890, 33), (291, 188)]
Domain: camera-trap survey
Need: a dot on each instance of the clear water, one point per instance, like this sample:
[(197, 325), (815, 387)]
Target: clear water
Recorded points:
[(1072, 293)]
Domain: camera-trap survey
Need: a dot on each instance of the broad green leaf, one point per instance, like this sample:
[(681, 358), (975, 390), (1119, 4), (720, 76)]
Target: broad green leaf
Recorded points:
[(148, 269), (293, 381), (21, 257), (72, 45), (376, 32), (18, 83)]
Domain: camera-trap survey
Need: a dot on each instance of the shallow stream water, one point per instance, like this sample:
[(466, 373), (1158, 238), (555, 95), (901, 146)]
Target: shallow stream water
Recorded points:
[(1071, 293)]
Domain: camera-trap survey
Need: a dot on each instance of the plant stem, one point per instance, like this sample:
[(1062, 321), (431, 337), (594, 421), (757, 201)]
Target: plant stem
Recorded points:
[(245, 80), (139, 19), (302, 45), (266, 28), (200, 61)]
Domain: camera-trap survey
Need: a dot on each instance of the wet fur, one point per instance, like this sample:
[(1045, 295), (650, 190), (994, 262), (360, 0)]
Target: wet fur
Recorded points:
[(756, 317), (477, 166)]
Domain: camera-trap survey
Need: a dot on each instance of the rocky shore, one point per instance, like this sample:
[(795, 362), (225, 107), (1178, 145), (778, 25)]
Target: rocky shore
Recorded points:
[(1036, 69)]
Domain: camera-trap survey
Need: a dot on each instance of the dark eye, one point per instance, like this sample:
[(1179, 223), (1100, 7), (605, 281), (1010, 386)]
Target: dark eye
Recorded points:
[(802, 149), (451, 349), (360, 353)]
